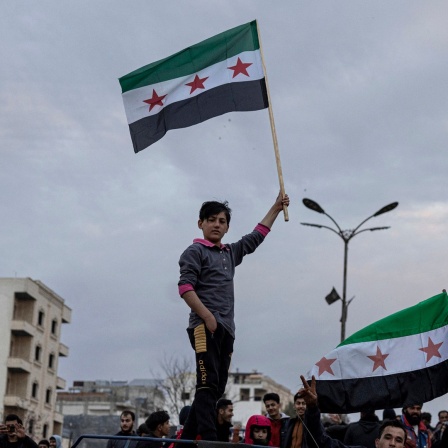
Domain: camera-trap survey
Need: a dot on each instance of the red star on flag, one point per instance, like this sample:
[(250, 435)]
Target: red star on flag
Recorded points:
[(431, 350), (378, 359), (197, 83), (240, 67), (325, 365), (156, 100)]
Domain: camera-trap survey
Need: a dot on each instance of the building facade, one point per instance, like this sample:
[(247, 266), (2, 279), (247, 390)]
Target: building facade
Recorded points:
[(30, 330), (246, 390)]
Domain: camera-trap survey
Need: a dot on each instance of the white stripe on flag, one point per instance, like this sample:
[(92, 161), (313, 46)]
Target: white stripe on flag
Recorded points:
[(404, 356), (176, 90)]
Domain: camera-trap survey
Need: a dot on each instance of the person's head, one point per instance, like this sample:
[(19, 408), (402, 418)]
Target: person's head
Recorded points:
[(271, 401), (127, 419), (299, 405), (368, 415), (413, 413), (443, 416), (389, 414), (426, 418), (159, 423), (224, 410), (55, 441), (391, 434), (143, 430), (11, 421), (44, 443), (258, 430), (214, 220), (183, 414)]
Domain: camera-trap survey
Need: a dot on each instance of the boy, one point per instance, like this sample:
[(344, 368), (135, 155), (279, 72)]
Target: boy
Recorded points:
[(258, 431), (207, 268)]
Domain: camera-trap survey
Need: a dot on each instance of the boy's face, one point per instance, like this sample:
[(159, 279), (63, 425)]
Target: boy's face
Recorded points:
[(300, 406), (260, 433), (214, 228), (272, 408)]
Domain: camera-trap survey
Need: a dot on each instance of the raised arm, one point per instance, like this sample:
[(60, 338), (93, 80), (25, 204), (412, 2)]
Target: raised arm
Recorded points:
[(273, 212)]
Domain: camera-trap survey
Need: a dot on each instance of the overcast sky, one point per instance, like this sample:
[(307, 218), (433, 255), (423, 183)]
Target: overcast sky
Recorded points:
[(359, 95)]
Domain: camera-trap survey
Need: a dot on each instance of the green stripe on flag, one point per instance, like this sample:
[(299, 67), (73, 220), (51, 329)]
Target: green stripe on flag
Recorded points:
[(425, 316), (195, 58)]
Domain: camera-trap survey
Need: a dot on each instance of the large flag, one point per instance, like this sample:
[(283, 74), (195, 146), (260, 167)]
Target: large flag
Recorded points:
[(221, 74), (398, 360)]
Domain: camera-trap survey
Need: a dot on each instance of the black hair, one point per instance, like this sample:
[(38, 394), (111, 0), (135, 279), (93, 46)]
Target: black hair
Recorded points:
[(128, 412), (426, 416), (258, 441), (157, 418), (44, 442), (142, 429), (271, 396), (211, 208), (441, 412), (297, 395), (222, 403), (183, 414), (389, 414), (12, 417), (394, 424)]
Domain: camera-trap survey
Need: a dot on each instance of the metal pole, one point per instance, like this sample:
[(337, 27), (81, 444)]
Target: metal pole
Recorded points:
[(344, 292)]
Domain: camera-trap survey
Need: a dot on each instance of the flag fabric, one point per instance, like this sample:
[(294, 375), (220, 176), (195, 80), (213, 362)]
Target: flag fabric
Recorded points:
[(398, 360), (221, 74)]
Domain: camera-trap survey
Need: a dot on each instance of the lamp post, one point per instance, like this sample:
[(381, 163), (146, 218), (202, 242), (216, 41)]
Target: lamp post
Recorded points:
[(346, 236)]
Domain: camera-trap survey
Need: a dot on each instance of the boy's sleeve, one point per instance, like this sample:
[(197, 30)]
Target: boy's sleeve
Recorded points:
[(190, 267)]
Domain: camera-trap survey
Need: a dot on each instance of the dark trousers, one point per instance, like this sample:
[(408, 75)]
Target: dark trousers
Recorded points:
[(213, 356)]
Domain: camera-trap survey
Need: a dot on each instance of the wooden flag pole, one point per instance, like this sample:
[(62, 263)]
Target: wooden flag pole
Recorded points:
[(274, 134)]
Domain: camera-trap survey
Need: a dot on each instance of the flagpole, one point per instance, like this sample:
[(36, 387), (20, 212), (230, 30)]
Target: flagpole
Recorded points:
[(274, 134)]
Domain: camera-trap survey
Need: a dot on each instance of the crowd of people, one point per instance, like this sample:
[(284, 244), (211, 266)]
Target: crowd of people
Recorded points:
[(307, 429)]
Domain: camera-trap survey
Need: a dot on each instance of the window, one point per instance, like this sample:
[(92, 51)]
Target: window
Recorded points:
[(54, 326), (51, 361), (37, 353), (45, 431), (41, 318), (48, 396), (31, 426), (34, 389)]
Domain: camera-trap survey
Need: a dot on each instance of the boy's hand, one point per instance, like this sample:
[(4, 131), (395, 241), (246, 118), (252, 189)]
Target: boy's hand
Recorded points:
[(282, 201), (210, 323), (308, 392)]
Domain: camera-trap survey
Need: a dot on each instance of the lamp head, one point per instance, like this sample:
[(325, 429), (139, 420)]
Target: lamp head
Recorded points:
[(312, 205), (386, 208)]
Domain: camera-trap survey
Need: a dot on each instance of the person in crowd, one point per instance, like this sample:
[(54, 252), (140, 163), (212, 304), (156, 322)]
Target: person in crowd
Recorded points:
[(443, 441), (44, 443), (365, 431), (207, 268), (224, 414), (417, 433), (295, 431), (12, 434), (183, 414), (440, 426), (142, 430), (55, 441), (392, 433), (279, 420), (389, 414), (127, 419), (158, 424), (258, 431), (426, 419)]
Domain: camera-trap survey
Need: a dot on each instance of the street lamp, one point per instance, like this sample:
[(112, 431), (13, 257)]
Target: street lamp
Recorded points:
[(346, 236)]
